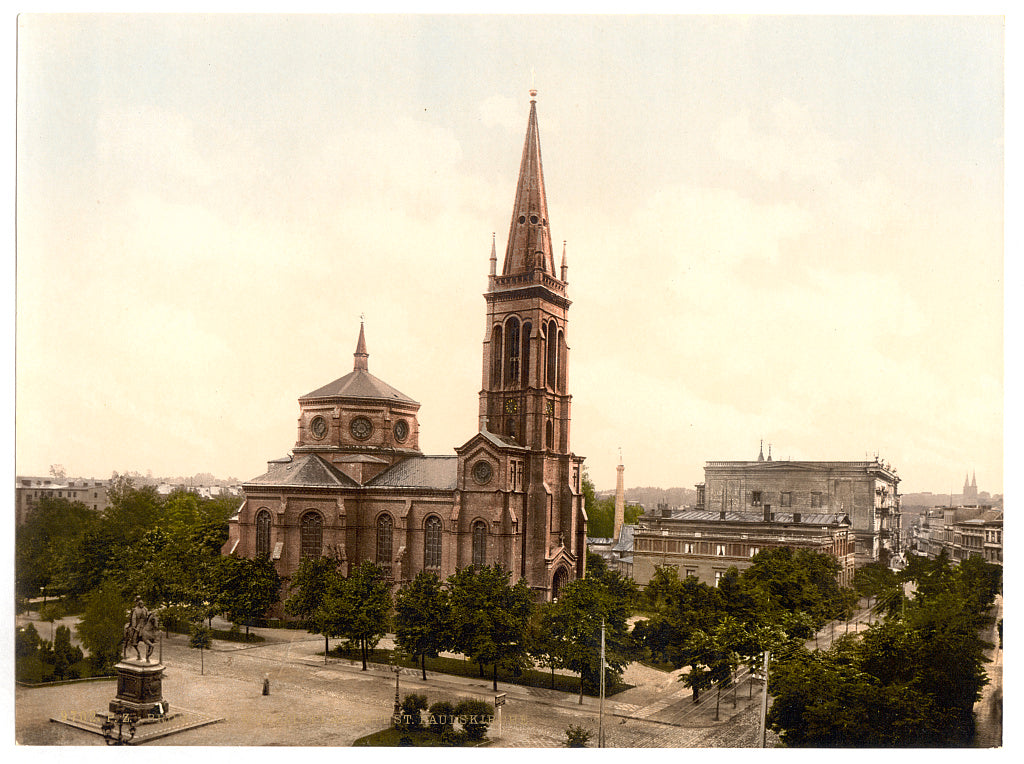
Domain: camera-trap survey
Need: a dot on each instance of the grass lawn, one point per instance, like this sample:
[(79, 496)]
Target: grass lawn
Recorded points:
[(462, 667), (419, 738)]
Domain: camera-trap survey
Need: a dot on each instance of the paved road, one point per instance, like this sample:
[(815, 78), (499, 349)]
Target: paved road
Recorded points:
[(316, 704)]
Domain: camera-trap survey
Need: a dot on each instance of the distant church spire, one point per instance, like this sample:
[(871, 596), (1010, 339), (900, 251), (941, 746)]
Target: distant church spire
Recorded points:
[(494, 256), (769, 452), (565, 264), (361, 355), (760, 454), (529, 239)]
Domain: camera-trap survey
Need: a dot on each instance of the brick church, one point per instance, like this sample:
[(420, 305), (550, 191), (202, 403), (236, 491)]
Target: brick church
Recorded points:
[(356, 486)]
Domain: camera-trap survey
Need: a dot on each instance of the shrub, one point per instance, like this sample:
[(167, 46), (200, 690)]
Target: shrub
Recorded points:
[(453, 738), (576, 736), (475, 716), (412, 705), (441, 717)]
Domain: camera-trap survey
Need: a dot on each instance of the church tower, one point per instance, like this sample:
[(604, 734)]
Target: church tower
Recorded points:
[(524, 397)]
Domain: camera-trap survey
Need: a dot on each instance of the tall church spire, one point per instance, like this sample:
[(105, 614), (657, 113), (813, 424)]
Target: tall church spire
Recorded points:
[(529, 239), (361, 355)]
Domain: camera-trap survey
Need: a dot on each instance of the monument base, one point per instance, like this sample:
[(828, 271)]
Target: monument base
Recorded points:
[(139, 690)]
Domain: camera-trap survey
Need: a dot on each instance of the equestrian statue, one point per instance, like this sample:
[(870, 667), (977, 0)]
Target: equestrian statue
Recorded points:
[(142, 627)]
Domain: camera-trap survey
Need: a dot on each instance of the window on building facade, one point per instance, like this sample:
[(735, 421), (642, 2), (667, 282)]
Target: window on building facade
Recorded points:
[(816, 500), (720, 550), (754, 550), (691, 572), (432, 543), (479, 543), (718, 576), (688, 548), (512, 350), (311, 535), (385, 525), (755, 498), (263, 521), (786, 499)]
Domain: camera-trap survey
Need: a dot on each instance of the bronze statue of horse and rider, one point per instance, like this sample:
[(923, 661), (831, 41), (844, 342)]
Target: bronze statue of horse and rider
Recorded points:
[(142, 628)]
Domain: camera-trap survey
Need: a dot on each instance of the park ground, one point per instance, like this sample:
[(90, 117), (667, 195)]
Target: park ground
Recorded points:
[(313, 702)]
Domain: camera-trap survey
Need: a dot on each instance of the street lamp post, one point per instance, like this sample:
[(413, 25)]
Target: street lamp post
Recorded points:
[(397, 715)]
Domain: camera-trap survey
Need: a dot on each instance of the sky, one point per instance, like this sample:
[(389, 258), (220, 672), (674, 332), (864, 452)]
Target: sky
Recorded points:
[(778, 228)]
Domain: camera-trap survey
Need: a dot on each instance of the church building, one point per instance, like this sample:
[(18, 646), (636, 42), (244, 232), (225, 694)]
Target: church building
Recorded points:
[(356, 486)]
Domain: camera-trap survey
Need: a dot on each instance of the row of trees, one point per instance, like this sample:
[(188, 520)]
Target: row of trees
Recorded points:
[(911, 680), (477, 612), (165, 550), (783, 597)]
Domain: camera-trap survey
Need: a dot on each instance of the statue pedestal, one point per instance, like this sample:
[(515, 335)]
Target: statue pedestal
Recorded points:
[(139, 690)]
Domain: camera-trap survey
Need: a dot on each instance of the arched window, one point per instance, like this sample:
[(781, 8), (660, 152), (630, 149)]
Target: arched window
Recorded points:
[(552, 354), (432, 542), (496, 355), (527, 331), (558, 581), (311, 535), (384, 527), (479, 543), (512, 350), (263, 533), (549, 435), (560, 362)]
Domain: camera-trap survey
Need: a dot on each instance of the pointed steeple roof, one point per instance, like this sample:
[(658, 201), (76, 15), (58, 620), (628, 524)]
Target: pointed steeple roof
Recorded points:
[(760, 454), (359, 383), (529, 239), (361, 356)]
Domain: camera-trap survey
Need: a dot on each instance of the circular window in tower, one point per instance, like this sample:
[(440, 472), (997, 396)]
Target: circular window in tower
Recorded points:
[(522, 219), (401, 430), (533, 219), (318, 427), (482, 472), (361, 428)]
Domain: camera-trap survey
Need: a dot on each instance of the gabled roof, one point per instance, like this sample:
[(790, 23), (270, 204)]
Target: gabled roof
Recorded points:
[(435, 472), (500, 441), (306, 471)]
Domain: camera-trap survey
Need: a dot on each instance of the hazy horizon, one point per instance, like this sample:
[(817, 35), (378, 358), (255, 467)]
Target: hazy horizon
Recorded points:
[(778, 228)]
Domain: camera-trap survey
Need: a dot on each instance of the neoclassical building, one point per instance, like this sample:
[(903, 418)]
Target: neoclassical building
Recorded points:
[(357, 487)]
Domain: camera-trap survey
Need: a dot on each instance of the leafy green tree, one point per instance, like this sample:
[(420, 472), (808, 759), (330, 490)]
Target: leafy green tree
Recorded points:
[(247, 588), (101, 627), (309, 585), (200, 639), (574, 626), (788, 581), (490, 618), (67, 658), (47, 546), (357, 607), (423, 618)]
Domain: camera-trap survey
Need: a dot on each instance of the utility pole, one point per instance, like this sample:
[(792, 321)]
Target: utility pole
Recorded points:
[(763, 733), (600, 714)]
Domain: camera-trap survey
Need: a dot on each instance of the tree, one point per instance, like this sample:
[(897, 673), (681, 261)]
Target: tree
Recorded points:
[(357, 607), (490, 618), (309, 584), (101, 628), (423, 618), (246, 588), (574, 626), (200, 639)]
